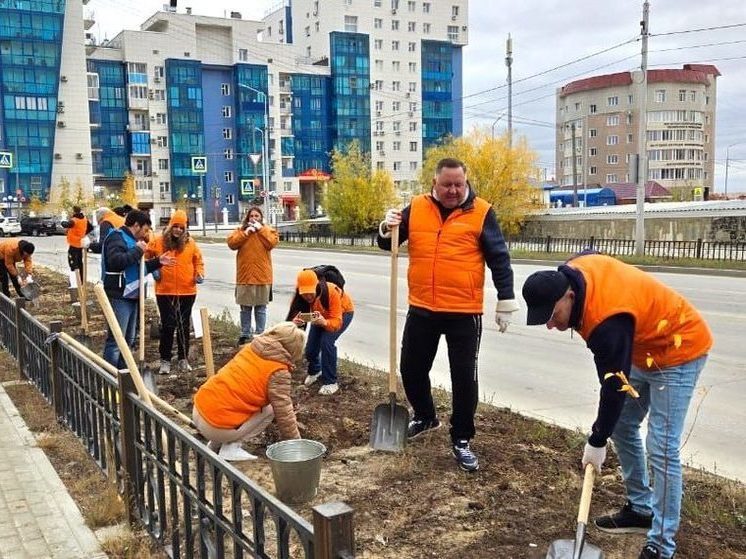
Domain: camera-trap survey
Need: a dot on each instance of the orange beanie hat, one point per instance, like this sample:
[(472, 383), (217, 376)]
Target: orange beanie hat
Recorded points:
[(307, 282), (179, 218)]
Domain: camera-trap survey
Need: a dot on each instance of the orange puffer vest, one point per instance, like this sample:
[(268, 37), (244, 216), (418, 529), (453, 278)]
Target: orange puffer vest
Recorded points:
[(117, 221), (238, 391), (178, 279), (669, 331), (446, 263), (76, 233)]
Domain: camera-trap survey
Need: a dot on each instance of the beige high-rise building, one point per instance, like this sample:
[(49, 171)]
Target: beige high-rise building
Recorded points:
[(605, 111)]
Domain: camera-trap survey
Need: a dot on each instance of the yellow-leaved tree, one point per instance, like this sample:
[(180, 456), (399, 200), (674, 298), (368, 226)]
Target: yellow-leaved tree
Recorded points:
[(356, 199), (129, 194), (507, 177), (63, 198)]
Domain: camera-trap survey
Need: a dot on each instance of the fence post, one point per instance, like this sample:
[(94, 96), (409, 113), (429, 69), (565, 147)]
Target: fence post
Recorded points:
[(593, 242), (549, 243), (699, 248), (333, 533), (20, 305), (55, 327), (127, 431)]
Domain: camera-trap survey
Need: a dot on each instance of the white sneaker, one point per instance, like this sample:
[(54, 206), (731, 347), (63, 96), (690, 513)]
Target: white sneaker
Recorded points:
[(310, 379), (329, 389), (165, 367), (234, 453), (184, 366)]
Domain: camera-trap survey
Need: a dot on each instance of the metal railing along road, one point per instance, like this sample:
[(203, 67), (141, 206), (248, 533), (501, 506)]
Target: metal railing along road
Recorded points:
[(187, 498)]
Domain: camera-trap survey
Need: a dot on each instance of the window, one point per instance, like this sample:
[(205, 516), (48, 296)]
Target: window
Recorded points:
[(351, 24), (630, 99), (611, 178), (592, 170), (578, 106), (379, 145), (682, 94), (228, 153), (413, 48), (394, 45), (412, 66), (379, 165), (227, 133), (612, 140), (159, 94), (379, 126), (612, 159), (378, 23), (395, 85), (411, 6), (412, 26), (378, 44), (412, 87), (394, 25), (612, 101), (413, 127), (228, 176), (225, 89), (660, 95), (226, 111), (426, 7), (629, 138), (161, 118), (396, 146), (592, 109), (626, 158), (412, 165), (396, 126), (163, 164), (454, 11), (378, 85), (395, 65), (692, 96), (453, 32), (316, 26), (592, 133), (243, 55), (629, 117), (379, 105), (308, 29), (379, 65), (592, 152), (376, 3), (612, 120), (412, 106), (707, 100), (426, 28), (397, 165), (412, 146), (396, 106), (165, 187)]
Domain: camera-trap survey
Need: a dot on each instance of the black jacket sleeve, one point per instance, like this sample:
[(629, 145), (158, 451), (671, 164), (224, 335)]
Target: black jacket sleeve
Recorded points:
[(88, 228), (611, 344), (118, 257), (385, 242), (496, 256)]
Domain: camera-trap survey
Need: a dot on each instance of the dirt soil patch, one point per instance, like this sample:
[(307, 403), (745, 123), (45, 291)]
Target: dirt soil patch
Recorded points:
[(418, 503)]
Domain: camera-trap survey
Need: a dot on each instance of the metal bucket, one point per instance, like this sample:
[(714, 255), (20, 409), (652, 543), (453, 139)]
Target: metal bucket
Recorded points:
[(296, 469)]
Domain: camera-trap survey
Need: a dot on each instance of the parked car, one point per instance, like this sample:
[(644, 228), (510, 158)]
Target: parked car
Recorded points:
[(39, 225), (9, 226), (58, 229)]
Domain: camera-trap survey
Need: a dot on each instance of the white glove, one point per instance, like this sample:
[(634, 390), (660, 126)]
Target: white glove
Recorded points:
[(595, 456), (256, 225), (29, 279), (504, 313), (85, 242), (393, 218)]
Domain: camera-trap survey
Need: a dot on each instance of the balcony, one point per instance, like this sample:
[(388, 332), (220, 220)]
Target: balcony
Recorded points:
[(89, 20)]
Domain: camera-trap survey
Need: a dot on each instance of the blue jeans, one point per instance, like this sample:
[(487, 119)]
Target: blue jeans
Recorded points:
[(127, 312), (321, 350), (260, 318), (664, 398)]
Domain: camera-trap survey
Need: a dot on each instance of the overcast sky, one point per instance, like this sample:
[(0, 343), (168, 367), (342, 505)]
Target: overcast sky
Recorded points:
[(547, 34)]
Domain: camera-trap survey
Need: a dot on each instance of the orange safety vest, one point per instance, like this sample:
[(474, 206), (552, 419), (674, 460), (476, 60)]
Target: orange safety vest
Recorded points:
[(117, 221), (238, 391), (76, 233), (446, 263), (669, 331)]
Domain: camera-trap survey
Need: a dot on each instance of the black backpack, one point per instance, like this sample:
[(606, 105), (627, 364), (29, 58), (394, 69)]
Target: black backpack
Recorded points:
[(330, 273)]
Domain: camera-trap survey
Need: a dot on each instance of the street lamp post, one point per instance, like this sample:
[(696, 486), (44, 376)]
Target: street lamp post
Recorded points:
[(9, 201), (727, 165), (265, 145)]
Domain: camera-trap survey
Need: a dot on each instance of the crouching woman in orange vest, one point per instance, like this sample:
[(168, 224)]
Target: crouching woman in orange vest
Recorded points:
[(249, 392)]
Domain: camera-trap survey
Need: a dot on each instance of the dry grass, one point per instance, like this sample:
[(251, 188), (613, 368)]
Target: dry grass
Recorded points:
[(133, 545)]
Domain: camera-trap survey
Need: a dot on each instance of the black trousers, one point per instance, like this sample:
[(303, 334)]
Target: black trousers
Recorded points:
[(4, 278), (419, 346), (75, 260), (175, 310)]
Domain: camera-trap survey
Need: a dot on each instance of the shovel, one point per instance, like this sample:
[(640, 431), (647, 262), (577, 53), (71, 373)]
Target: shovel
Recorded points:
[(207, 342), (388, 428), (148, 377), (578, 549)]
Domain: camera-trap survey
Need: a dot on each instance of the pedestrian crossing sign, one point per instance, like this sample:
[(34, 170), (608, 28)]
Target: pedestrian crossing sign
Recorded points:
[(199, 164), (6, 160), (247, 187)]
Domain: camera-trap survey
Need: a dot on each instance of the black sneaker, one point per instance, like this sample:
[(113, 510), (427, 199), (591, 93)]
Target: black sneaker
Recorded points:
[(418, 426), (626, 521), (243, 340), (465, 457), (651, 552)]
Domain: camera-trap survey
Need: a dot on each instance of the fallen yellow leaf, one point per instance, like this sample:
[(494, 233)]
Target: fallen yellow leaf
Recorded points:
[(682, 318), (626, 386), (677, 341), (649, 361), (662, 324)]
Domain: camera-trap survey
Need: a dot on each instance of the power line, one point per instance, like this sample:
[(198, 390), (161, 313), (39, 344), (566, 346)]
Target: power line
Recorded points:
[(683, 31)]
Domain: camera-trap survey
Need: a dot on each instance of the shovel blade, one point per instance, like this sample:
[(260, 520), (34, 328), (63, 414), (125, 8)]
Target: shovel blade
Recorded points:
[(148, 379), (388, 428), (563, 549)]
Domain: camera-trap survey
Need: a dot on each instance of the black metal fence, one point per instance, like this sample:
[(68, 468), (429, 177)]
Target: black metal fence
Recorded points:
[(189, 500), (698, 249)]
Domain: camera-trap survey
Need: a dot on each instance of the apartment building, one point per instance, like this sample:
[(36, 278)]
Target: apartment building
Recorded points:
[(44, 113), (604, 110)]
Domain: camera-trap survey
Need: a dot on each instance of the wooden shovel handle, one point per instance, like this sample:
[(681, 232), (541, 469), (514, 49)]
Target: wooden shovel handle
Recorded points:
[(392, 308), (84, 290), (116, 331), (141, 347), (585, 495), (207, 341), (82, 301)]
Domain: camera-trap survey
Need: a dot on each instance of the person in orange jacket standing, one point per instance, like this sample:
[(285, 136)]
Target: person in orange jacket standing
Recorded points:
[(249, 392), (78, 228), (253, 242), (176, 288), (331, 311), (649, 346)]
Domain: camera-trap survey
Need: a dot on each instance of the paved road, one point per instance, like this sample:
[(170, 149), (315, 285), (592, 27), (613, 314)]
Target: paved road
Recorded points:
[(544, 374)]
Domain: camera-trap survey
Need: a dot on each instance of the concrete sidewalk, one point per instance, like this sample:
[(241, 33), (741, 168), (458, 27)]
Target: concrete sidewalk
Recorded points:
[(38, 518)]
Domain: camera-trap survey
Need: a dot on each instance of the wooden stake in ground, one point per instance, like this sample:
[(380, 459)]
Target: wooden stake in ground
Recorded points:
[(207, 341)]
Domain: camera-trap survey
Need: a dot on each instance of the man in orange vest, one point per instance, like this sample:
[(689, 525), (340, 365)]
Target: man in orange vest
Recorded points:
[(452, 233), (78, 228), (649, 345)]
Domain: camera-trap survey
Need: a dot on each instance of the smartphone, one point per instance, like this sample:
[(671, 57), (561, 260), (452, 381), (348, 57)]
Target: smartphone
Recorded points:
[(306, 316)]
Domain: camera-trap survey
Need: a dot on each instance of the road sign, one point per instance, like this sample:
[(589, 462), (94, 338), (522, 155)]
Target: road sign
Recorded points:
[(247, 187), (199, 164), (6, 160), (255, 157)]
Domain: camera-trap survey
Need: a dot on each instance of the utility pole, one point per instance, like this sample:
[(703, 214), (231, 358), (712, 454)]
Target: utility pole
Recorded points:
[(574, 168), (509, 64), (642, 160)]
